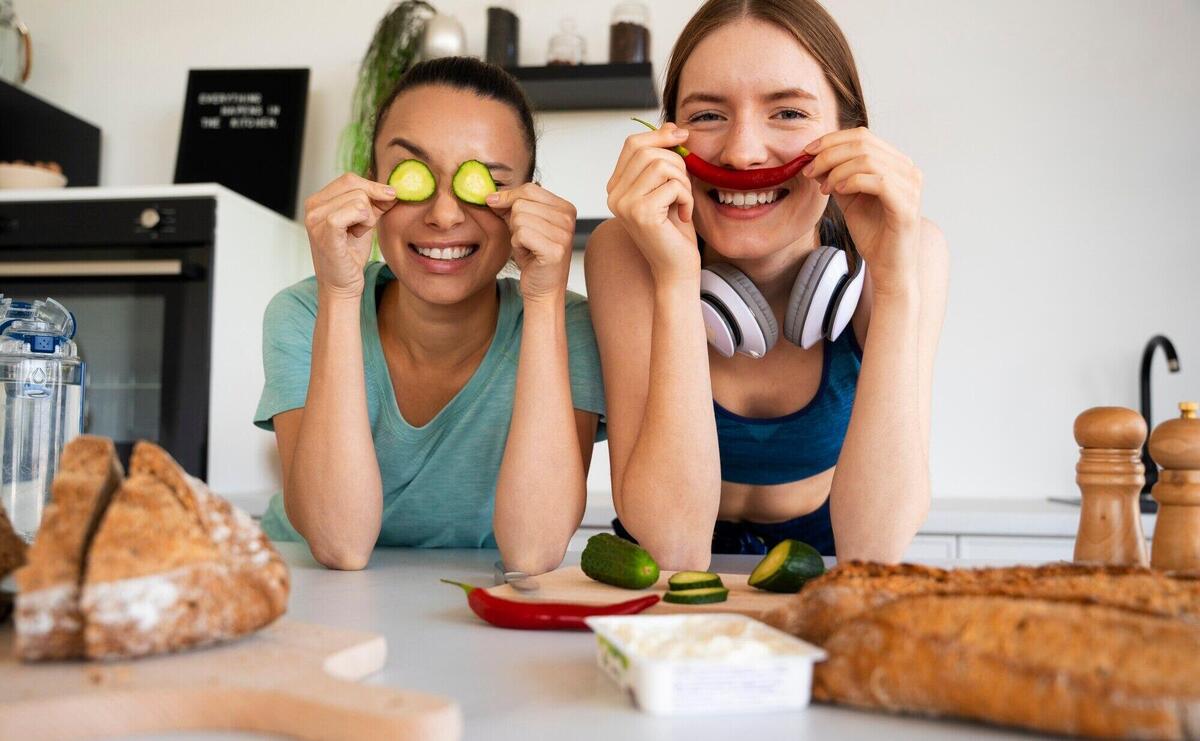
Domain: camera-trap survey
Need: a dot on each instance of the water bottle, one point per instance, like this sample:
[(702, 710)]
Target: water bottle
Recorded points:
[(41, 404)]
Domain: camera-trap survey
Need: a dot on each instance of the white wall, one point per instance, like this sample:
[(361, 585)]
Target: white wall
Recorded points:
[(1057, 140)]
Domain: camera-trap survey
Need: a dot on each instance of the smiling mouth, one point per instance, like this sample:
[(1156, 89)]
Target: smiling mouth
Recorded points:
[(747, 199), (448, 254)]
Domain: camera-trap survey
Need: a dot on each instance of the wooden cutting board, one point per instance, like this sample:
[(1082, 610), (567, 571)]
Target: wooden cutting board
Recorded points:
[(292, 678), (570, 584)]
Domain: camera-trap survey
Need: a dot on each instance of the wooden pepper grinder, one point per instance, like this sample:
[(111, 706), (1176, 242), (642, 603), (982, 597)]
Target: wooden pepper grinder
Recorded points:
[(1175, 445), (1110, 476)]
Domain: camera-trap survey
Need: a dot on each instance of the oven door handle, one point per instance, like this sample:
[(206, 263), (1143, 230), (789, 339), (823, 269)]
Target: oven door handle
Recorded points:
[(92, 269)]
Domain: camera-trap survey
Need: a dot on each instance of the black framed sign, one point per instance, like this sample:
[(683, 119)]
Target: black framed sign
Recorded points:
[(244, 128)]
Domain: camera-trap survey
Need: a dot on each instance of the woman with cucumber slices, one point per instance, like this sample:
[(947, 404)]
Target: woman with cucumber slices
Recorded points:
[(767, 303), (424, 401)]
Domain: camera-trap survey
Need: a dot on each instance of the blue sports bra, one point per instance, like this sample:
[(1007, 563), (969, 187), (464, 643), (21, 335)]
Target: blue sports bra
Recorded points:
[(778, 450)]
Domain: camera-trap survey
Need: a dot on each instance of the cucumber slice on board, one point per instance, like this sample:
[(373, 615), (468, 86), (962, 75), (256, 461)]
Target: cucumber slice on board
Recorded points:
[(786, 567), (612, 560), (412, 180), (697, 596), (473, 182), (681, 580)]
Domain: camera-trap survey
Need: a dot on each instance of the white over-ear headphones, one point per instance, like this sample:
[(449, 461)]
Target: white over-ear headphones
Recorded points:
[(823, 298)]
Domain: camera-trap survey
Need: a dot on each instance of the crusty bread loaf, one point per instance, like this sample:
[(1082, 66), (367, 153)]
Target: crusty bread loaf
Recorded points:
[(48, 622), (174, 566), (12, 555), (1057, 667), (12, 548), (854, 588)]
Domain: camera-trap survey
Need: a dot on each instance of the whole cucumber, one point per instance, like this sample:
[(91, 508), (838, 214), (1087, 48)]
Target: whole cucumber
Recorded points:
[(612, 560)]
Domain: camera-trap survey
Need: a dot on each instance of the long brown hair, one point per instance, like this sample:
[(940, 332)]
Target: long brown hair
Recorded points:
[(818, 33)]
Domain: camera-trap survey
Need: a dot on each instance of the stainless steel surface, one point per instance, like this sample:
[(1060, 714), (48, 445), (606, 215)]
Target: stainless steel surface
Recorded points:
[(90, 268), (1148, 503), (519, 580)]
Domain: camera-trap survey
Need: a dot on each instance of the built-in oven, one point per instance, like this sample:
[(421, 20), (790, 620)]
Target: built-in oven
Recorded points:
[(141, 275), (137, 275)]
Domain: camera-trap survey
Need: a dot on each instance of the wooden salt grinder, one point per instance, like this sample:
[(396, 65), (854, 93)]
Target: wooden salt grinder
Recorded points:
[(1110, 476), (1175, 445)]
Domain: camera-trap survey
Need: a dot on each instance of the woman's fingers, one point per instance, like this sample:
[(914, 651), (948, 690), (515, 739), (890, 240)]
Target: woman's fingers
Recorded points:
[(553, 232), (637, 197), (655, 206), (665, 162), (382, 193), (320, 215), (662, 139), (534, 199)]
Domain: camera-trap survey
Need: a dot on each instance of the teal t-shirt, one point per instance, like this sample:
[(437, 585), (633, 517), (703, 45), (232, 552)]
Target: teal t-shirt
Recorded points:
[(439, 480)]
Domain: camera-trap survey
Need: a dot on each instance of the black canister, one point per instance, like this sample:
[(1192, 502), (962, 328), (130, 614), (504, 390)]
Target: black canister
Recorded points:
[(503, 33)]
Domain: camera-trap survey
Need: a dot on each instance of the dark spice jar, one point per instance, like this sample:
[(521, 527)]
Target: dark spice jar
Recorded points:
[(629, 34), (503, 35)]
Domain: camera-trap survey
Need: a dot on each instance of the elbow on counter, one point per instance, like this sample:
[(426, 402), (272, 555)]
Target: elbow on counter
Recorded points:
[(340, 558), (533, 561)]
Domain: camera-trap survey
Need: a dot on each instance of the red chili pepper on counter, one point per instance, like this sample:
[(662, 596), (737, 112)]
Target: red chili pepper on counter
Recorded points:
[(504, 613), (724, 177)]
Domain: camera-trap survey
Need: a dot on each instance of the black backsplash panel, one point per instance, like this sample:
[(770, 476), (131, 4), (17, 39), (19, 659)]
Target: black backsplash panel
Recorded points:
[(244, 129), (32, 129)]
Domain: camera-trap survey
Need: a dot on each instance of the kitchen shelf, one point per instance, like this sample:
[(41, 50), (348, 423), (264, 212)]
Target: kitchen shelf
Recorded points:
[(589, 87)]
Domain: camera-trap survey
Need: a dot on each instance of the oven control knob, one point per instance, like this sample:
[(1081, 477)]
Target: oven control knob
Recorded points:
[(150, 218)]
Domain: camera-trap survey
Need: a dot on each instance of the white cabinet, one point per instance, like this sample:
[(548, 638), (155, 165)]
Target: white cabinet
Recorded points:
[(931, 547), (580, 538), (1015, 549)]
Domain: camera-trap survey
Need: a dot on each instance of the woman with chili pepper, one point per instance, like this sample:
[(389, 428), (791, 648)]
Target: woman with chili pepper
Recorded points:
[(824, 438), (424, 401)]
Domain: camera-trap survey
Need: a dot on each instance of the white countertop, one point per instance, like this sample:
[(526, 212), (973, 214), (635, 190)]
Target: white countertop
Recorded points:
[(947, 516), (526, 684), (959, 516)]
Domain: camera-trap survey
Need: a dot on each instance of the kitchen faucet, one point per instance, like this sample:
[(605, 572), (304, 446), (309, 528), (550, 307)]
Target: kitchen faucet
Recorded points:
[(1155, 342)]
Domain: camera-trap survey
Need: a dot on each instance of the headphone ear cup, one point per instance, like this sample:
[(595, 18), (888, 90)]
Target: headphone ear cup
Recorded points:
[(803, 321), (727, 290), (845, 301)]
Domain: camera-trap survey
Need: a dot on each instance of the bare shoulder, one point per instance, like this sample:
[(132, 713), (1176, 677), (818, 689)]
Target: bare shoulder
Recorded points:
[(613, 259)]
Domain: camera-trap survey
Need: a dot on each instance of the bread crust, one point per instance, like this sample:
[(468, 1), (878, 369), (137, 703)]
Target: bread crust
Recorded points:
[(160, 565), (48, 622), (854, 588), (175, 566), (12, 547), (1056, 667)]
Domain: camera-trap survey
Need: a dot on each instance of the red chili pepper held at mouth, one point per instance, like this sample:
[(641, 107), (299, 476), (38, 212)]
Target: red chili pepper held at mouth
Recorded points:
[(505, 613), (723, 177)]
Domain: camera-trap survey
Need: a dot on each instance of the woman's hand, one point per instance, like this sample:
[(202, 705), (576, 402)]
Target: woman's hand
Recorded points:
[(339, 219), (651, 196), (878, 189), (542, 227)]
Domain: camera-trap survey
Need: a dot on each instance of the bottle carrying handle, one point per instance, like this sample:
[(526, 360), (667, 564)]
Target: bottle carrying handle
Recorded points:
[(27, 42)]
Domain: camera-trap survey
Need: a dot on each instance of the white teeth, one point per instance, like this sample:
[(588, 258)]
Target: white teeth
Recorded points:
[(746, 200), (445, 253)]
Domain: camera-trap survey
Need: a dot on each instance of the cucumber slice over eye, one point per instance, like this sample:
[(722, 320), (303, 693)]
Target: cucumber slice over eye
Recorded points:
[(473, 182), (413, 181)]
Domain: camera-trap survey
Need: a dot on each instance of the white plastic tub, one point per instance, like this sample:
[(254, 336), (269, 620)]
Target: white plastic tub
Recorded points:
[(705, 663)]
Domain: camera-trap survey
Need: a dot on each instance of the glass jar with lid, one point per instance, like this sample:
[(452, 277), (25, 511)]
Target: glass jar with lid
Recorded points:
[(566, 46)]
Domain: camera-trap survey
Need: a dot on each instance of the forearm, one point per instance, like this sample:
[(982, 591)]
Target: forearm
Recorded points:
[(671, 486), (880, 492), (541, 489), (333, 493)]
